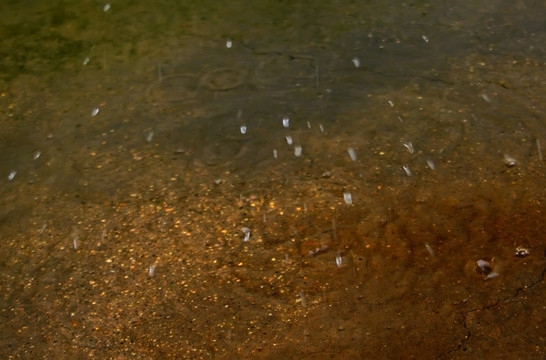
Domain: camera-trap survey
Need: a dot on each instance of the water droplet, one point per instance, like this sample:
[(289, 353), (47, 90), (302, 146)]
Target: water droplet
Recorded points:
[(348, 198), (339, 260), (150, 136), (408, 146), (484, 266), (429, 249), (522, 252), (246, 231), (289, 139), (509, 161), (151, 270), (297, 150), (492, 275), (356, 62), (301, 294), (352, 153), (431, 165)]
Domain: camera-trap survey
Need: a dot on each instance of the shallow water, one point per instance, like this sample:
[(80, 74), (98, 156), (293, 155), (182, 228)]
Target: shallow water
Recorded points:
[(130, 185)]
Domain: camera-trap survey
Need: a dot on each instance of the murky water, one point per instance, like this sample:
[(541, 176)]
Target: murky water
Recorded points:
[(276, 180)]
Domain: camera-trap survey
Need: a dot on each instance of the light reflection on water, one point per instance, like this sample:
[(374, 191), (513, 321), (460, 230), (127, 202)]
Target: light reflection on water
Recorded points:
[(154, 219)]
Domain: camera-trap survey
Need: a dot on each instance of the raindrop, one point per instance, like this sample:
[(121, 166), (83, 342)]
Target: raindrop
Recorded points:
[(151, 270), (484, 266), (297, 150), (352, 153), (509, 161), (150, 136), (289, 139), (348, 198), (356, 62), (522, 252), (408, 146), (429, 249), (301, 294), (431, 165), (492, 275), (339, 260), (246, 231)]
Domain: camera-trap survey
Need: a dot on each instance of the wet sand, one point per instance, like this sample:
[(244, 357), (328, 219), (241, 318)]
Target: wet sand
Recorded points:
[(155, 205)]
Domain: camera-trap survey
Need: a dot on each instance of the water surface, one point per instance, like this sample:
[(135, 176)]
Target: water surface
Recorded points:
[(142, 143)]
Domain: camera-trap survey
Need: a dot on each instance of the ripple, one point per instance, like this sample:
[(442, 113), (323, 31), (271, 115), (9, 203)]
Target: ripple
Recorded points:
[(223, 79)]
